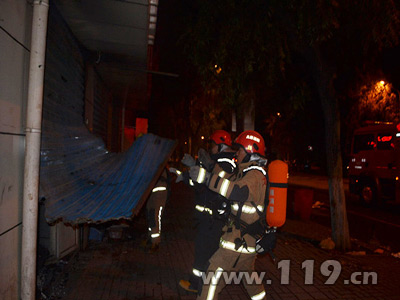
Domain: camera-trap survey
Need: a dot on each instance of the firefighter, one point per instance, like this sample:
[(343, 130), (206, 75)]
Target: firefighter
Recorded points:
[(210, 207), (237, 248), (154, 210)]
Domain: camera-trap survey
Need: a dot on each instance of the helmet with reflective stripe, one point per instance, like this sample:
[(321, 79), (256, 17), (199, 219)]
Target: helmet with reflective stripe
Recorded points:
[(252, 142), (221, 137)]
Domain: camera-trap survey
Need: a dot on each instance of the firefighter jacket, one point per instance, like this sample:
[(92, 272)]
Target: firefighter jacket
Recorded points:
[(212, 203), (207, 202), (247, 195)]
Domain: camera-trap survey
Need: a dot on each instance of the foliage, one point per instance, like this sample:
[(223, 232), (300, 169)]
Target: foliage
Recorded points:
[(207, 114), (377, 102), (226, 43), (243, 49)]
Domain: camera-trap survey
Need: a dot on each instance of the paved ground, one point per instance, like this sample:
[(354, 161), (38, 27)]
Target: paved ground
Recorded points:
[(120, 270)]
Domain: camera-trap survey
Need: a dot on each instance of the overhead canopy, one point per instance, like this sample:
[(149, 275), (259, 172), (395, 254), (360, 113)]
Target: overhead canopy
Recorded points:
[(82, 182), (119, 34)]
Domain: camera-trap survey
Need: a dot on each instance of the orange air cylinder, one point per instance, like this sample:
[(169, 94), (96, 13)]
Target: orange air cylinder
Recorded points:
[(278, 180)]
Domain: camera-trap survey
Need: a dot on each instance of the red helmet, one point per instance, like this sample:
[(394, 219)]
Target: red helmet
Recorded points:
[(252, 142), (221, 137)]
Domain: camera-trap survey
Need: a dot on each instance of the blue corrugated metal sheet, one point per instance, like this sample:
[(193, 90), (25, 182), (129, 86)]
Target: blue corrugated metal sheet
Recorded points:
[(83, 183)]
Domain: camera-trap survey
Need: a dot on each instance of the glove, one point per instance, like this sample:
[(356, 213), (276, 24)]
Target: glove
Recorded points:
[(267, 243), (205, 160), (188, 160), (179, 176), (198, 174)]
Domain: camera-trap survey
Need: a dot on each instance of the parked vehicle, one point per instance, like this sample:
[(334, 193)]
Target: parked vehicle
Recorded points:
[(374, 167)]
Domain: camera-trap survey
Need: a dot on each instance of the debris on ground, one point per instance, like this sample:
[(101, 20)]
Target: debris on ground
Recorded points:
[(379, 251), (318, 204), (397, 255), (373, 246), (51, 281), (327, 244)]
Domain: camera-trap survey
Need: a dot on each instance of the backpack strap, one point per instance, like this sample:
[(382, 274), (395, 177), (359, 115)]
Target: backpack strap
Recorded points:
[(237, 217), (279, 185)]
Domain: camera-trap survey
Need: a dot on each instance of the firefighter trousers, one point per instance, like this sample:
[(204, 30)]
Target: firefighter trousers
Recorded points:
[(206, 243), (223, 261), (154, 211)]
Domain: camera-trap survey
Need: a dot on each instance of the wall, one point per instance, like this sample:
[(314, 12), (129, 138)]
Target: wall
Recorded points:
[(63, 112), (98, 106), (15, 31)]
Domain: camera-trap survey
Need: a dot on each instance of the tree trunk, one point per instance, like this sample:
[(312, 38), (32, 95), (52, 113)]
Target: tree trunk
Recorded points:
[(330, 106)]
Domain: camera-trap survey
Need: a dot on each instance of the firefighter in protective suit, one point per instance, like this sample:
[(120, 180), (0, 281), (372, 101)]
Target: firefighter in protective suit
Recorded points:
[(154, 210), (246, 193), (210, 207)]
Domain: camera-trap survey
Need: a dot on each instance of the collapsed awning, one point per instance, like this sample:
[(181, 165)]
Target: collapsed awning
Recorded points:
[(84, 183)]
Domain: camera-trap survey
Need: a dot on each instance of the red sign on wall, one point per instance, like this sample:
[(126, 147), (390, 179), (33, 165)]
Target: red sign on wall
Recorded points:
[(141, 126)]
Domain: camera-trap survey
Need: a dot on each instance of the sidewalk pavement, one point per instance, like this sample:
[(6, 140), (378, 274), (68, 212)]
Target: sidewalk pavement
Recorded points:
[(120, 270)]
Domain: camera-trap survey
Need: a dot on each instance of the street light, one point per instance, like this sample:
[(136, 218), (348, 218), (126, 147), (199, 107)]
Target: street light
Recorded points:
[(218, 69)]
